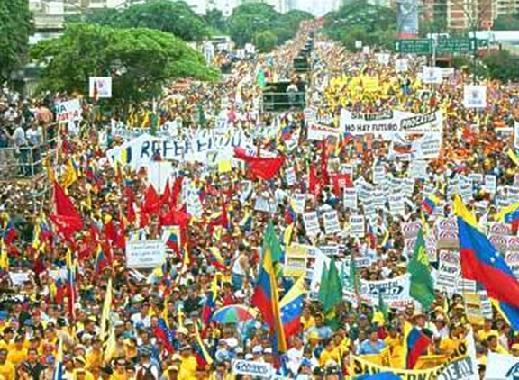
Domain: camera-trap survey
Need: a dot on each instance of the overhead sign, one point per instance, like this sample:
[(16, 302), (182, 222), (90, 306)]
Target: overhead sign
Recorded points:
[(414, 46), (145, 253)]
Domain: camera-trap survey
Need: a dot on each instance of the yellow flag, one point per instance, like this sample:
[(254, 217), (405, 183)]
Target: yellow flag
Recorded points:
[(511, 154), (70, 174), (462, 211), (500, 216), (107, 307), (4, 262)]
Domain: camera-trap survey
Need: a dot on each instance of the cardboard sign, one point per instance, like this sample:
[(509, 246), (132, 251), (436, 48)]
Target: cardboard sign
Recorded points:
[(393, 290), (401, 65), (68, 111), (349, 198), (432, 75), (145, 253), (357, 226), (321, 132), (295, 260), (475, 96), (410, 229), (100, 87), (331, 222), (291, 176), (311, 224), (299, 202)]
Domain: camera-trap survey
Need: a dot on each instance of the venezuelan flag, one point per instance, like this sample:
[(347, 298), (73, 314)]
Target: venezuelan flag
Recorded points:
[(265, 296), (9, 233), (509, 214), (430, 203), (480, 261), (292, 308), (210, 303), (202, 356), (164, 335), (101, 260), (246, 222), (416, 343), (290, 214), (71, 286), (58, 369), (172, 241), (216, 259)]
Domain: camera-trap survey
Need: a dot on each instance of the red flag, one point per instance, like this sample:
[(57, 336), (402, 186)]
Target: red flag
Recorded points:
[(339, 182), (260, 167), (166, 196), (325, 178), (314, 183), (130, 212), (177, 188), (151, 203), (65, 209), (109, 230)]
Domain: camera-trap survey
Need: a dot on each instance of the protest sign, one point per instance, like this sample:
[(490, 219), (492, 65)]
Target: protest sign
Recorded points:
[(491, 183), (100, 87), (432, 75), (396, 204), (382, 58), (263, 204), (475, 96), (445, 282), (394, 290), (410, 229), (331, 223), (68, 111), (379, 174), (357, 226), (460, 368), (401, 65), (145, 253), (311, 223), (501, 367), (251, 368), (172, 235), (295, 260), (291, 176), (473, 308), (19, 278), (321, 132), (516, 134), (349, 198), (512, 260), (495, 228), (196, 146), (512, 243), (500, 242), (298, 203)]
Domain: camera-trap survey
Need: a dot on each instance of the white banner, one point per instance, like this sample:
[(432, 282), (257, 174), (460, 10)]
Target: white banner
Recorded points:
[(145, 253), (68, 111), (201, 146), (475, 96), (401, 65), (100, 87), (516, 134), (251, 368), (357, 226), (321, 132), (393, 290), (349, 198), (432, 75), (501, 367), (291, 176)]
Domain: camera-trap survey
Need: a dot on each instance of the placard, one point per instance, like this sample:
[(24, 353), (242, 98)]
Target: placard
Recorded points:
[(516, 134), (357, 226), (321, 132), (475, 96), (291, 176), (68, 111), (501, 367), (311, 224), (295, 260), (299, 203), (432, 75), (145, 253), (401, 65), (410, 229), (19, 278), (331, 222), (349, 198), (100, 87), (251, 368), (393, 290)]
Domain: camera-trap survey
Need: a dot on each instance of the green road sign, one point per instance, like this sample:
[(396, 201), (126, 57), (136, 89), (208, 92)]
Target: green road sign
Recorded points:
[(443, 46), (415, 46)]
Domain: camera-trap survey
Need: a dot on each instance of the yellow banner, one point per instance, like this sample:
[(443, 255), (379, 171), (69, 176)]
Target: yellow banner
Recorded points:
[(463, 367)]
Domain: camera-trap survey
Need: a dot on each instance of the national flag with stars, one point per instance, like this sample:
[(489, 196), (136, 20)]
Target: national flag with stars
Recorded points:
[(430, 203), (292, 308), (164, 335)]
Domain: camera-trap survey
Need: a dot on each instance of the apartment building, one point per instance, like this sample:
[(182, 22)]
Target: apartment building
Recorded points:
[(461, 14)]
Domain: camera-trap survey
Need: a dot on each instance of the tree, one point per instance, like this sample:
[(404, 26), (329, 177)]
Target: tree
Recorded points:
[(371, 24), (164, 15), (506, 22), (139, 60), (248, 20), (214, 19), (15, 29), (502, 65), (265, 41)]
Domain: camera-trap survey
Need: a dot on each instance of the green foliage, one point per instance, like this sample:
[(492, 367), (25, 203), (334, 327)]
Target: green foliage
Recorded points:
[(265, 41), (249, 20), (502, 65), (214, 18), (164, 15), (506, 22), (139, 60), (358, 20), (15, 29)]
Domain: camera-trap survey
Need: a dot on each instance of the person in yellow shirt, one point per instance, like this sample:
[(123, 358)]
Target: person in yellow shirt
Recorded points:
[(395, 344), (307, 320), (187, 370), (330, 353), (94, 356), (7, 341), (494, 346), (487, 331), (6, 367), (120, 370), (18, 353)]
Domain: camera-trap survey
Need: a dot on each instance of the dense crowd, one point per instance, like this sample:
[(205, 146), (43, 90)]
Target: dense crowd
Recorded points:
[(156, 325)]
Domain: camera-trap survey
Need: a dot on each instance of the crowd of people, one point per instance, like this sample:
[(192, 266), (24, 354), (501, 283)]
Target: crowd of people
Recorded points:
[(160, 323)]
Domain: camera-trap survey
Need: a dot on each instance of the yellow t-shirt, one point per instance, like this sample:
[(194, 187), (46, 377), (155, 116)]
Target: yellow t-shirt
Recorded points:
[(482, 335), (328, 355), (94, 359), (88, 374), (118, 376), (16, 356), (7, 371), (187, 369), (307, 322)]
